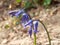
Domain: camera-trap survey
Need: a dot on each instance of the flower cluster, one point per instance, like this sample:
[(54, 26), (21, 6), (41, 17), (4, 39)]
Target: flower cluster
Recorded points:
[(33, 26), (26, 21)]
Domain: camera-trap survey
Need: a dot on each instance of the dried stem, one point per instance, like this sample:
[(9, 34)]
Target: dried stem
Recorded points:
[(46, 32)]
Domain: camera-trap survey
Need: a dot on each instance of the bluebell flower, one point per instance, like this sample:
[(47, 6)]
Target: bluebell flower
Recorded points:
[(30, 22), (25, 18), (35, 23), (30, 30), (19, 12), (12, 13), (16, 13), (26, 21)]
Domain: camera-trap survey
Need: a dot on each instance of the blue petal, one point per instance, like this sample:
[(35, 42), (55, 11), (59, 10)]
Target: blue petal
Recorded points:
[(29, 22), (12, 13), (25, 17), (35, 26), (30, 30), (19, 12)]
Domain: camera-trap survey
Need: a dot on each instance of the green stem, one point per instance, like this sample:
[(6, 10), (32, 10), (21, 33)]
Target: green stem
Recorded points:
[(46, 31), (34, 39)]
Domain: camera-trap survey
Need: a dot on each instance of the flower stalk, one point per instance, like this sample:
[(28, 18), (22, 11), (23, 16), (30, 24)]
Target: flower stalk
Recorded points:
[(34, 39), (46, 32)]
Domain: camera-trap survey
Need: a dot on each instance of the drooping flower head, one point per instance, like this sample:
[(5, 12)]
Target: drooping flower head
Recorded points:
[(19, 12), (35, 23), (30, 22), (33, 26), (16, 12), (25, 18), (30, 30), (12, 13), (26, 21)]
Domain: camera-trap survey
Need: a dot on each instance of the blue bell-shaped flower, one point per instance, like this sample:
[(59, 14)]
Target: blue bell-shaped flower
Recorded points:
[(25, 18), (19, 12), (30, 30), (12, 13), (29, 23), (35, 23), (16, 12)]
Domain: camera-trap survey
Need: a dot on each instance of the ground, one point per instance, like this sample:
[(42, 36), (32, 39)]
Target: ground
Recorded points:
[(49, 16)]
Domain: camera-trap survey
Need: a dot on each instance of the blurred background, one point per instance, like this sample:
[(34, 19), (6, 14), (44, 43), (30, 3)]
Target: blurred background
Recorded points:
[(48, 11)]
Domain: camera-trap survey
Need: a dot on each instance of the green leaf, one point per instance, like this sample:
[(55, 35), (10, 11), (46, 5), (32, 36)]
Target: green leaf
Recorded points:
[(28, 4), (7, 26), (18, 1), (46, 2)]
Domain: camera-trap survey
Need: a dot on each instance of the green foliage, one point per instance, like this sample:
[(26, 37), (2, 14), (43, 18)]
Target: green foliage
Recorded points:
[(32, 3), (46, 2), (28, 4), (35, 1), (18, 1)]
